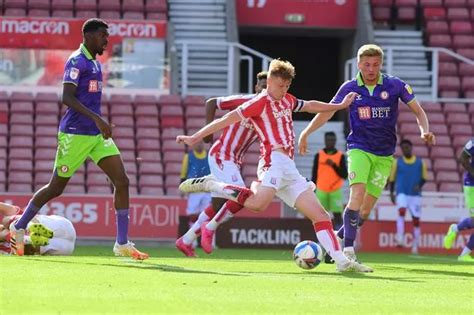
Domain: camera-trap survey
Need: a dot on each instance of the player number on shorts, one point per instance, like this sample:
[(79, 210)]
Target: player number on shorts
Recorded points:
[(379, 180)]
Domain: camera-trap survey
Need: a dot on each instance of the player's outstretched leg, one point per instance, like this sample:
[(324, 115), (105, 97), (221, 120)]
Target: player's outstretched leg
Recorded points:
[(467, 250)]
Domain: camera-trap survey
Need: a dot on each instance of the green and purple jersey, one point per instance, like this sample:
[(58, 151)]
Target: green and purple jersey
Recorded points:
[(373, 114), (85, 72)]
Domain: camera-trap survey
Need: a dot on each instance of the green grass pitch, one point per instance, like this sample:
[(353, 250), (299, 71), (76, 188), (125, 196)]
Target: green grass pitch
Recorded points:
[(231, 281)]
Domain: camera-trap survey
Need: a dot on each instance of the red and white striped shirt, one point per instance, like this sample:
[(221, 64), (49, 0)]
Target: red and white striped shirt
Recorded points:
[(273, 122), (236, 138)]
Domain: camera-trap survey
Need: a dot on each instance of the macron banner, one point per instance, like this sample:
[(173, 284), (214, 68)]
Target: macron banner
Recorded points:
[(54, 33), (380, 236), (335, 14), (151, 218)]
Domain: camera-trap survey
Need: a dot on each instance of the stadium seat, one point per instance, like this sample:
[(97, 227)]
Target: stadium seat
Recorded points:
[(44, 166), (47, 107), (151, 180), (23, 188), (466, 69), (62, 5), (466, 52), (144, 121), (20, 165), (122, 121), (193, 101), (146, 110), (45, 142), (171, 133), (21, 130), (440, 40), (457, 118), (125, 143), (62, 13), (21, 107), (151, 191), (133, 15), (450, 187), (21, 142), (147, 132), (172, 122), (458, 14), (156, 16), (195, 123), (449, 83), (128, 155), (105, 189), (454, 3), (74, 189), (172, 156), (430, 186), (21, 118), (406, 14), (131, 168), (86, 14), (460, 130), (45, 154), (173, 168), (441, 152), (47, 131), (448, 69), (438, 129), (97, 179), (454, 108), (431, 107), (145, 99), (86, 5), (148, 144), (171, 111), (147, 168), (463, 41), (156, 6), (444, 164), (460, 27), (171, 145), (436, 13), (172, 180), (445, 176), (3, 164), (148, 156), (110, 15), (195, 111), (437, 27), (409, 128), (15, 4), (38, 13), (381, 14), (169, 100), (47, 120), (20, 177), (467, 83), (109, 5)]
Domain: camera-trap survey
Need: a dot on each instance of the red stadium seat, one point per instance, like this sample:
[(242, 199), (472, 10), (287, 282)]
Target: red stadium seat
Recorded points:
[(448, 69), (437, 27), (172, 122), (26, 188), (42, 178), (134, 15), (63, 13), (156, 6), (156, 16), (112, 5), (147, 133), (38, 13), (454, 3), (172, 181), (146, 110), (144, 121), (86, 5), (381, 14), (173, 156), (194, 100), (436, 118), (439, 129), (195, 111), (86, 14), (74, 189), (97, 179), (171, 133), (439, 40), (406, 14), (46, 131), (151, 180), (169, 100), (147, 168), (123, 132), (457, 118), (458, 14), (409, 128), (449, 83), (431, 3), (20, 165), (21, 130), (110, 15), (19, 177), (21, 118), (443, 140), (125, 143), (467, 83), (443, 164), (466, 52), (461, 27), (131, 168), (21, 142), (148, 144), (15, 4), (454, 108), (460, 130), (21, 107), (195, 123), (48, 120), (45, 154), (123, 121), (145, 99), (62, 5), (463, 41), (431, 107), (148, 156), (46, 97), (450, 187), (3, 164), (166, 111), (434, 13), (47, 107), (151, 191), (100, 190), (128, 155), (45, 142), (441, 152), (450, 94), (466, 69), (406, 117), (173, 168), (446, 176), (430, 186), (121, 99), (470, 3), (171, 145), (44, 166), (121, 109)]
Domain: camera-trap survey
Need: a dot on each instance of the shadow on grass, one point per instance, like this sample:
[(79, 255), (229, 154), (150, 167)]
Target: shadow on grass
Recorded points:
[(433, 272)]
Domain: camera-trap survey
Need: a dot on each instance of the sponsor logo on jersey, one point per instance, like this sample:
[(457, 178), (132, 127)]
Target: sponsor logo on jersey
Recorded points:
[(409, 89), (367, 112), (384, 95), (95, 86), (74, 73), (282, 113)]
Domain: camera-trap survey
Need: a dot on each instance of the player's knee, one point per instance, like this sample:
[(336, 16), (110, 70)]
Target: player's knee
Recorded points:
[(122, 182), (402, 211), (364, 213), (416, 222)]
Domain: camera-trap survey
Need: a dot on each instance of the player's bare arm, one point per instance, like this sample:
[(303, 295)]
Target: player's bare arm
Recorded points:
[(211, 105), (70, 99), (464, 159), (6, 209), (316, 123), (218, 124), (322, 107), (422, 121)]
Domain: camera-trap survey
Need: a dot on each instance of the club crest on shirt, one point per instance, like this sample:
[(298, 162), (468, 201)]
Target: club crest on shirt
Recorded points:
[(64, 168), (384, 95), (273, 180), (409, 89), (469, 145), (74, 73), (352, 175)]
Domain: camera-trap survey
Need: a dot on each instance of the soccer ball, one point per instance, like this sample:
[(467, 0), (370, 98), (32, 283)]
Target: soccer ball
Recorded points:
[(307, 254)]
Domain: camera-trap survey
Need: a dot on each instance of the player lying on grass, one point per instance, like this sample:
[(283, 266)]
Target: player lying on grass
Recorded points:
[(45, 234), (225, 160), (271, 115), (372, 140), (467, 161)]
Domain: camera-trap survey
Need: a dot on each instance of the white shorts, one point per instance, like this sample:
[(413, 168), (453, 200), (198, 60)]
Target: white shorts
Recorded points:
[(412, 203), (284, 177), (226, 171), (64, 238), (197, 202)]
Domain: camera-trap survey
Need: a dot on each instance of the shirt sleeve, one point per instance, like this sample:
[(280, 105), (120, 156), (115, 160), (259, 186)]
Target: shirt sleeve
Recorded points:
[(406, 92), (251, 108), (469, 148), (184, 166), (297, 103), (341, 93), (73, 71), (233, 101)]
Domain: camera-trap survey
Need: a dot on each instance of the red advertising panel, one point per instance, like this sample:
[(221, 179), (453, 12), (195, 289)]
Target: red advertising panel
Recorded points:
[(53, 33), (380, 236), (150, 218), (337, 14)]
